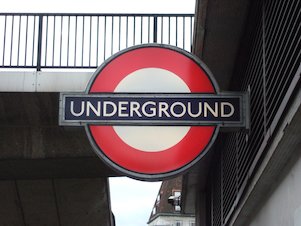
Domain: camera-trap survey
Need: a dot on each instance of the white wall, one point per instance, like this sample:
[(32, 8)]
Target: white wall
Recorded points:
[(171, 221), (283, 207)]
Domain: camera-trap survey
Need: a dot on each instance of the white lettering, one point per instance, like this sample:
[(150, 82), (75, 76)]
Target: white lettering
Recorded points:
[(152, 109), (194, 115), (134, 108), (122, 106), (81, 112), (105, 109), (214, 111), (172, 109), (162, 108), (223, 105), (91, 107)]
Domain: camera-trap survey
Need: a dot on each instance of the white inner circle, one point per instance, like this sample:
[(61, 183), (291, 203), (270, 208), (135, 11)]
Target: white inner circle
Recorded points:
[(152, 138)]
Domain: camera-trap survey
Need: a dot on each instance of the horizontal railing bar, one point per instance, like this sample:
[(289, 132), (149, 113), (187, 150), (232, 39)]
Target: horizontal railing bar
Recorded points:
[(101, 14)]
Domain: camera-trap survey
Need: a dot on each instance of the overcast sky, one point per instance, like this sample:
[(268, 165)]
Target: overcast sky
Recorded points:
[(132, 200), (100, 6)]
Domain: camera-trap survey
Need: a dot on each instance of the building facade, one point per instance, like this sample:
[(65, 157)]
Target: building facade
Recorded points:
[(252, 177), (167, 207)]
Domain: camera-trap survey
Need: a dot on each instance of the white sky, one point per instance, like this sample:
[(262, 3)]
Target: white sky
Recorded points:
[(99, 6), (131, 200)]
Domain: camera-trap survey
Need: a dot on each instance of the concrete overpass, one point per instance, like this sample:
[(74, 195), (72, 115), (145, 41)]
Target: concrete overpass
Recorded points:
[(50, 174)]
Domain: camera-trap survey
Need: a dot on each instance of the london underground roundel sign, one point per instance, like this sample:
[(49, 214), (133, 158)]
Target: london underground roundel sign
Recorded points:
[(152, 111)]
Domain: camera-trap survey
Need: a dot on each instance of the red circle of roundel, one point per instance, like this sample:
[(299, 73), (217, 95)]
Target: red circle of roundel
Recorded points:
[(109, 144)]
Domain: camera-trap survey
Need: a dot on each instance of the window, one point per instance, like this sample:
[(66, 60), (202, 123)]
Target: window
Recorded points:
[(154, 211), (177, 193), (177, 200), (177, 208), (178, 223), (158, 199)]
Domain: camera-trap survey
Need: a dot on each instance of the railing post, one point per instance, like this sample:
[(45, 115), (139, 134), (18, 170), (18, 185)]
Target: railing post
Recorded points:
[(155, 28), (39, 53)]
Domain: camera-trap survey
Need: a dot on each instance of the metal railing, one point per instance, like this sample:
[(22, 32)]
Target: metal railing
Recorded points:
[(29, 40)]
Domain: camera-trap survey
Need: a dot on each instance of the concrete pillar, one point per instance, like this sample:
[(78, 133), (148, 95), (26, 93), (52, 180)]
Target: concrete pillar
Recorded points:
[(55, 202), (201, 209)]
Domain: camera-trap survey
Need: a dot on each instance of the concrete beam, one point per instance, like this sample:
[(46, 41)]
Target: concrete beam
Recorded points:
[(44, 81), (88, 167), (11, 212), (218, 30), (33, 145)]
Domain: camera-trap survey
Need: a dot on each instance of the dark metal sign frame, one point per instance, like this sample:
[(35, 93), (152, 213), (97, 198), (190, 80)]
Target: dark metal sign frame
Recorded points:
[(240, 108)]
